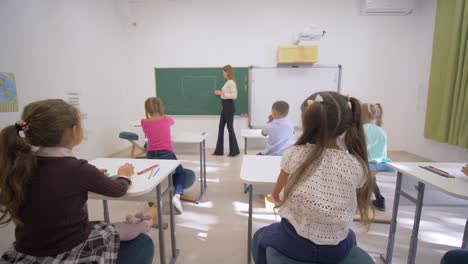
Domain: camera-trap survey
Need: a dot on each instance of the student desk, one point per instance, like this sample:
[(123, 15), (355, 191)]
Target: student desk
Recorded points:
[(190, 137), (251, 133), (146, 189), (457, 187), (261, 171)]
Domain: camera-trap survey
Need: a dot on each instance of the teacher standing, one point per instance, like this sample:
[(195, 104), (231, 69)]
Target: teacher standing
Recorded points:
[(228, 94)]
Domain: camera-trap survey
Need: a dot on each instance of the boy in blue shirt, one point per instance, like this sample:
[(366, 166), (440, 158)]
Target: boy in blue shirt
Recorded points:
[(279, 130)]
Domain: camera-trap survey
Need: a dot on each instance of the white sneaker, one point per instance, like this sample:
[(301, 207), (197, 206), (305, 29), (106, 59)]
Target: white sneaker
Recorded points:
[(177, 204)]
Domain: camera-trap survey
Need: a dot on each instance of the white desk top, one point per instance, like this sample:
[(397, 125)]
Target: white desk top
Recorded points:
[(135, 123), (140, 183), (457, 187), (260, 169), (252, 133), (181, 137), (188, 137)]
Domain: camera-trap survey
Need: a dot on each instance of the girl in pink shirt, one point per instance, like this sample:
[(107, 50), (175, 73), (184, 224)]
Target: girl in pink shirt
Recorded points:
[(157, 128)]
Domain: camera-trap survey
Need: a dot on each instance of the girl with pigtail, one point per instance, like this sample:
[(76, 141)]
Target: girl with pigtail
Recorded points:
[(376, 139), (324, 183), (44, 193)]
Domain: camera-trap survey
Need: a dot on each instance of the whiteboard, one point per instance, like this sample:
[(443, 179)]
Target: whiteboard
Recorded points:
[(290, 84)]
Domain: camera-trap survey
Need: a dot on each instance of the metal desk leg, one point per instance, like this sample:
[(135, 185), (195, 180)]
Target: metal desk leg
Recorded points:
[(465, 236), (106, 211), (202, 185), (174, 250), (162, 252), (417, 218), (204, 163), (391, 236), (249, 188), (245, 146)]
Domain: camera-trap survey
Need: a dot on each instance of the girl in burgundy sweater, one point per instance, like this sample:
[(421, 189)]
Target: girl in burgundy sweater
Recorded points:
[(44, 193)]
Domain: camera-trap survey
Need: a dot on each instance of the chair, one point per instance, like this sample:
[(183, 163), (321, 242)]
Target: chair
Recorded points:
[(355, 256), (132, 138), (190, 178)]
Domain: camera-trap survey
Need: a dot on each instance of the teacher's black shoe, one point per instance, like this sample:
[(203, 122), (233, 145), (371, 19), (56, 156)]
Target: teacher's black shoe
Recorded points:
[(217, 154)]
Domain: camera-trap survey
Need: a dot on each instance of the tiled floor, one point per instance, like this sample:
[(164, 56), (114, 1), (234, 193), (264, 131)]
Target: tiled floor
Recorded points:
[(215, 231)]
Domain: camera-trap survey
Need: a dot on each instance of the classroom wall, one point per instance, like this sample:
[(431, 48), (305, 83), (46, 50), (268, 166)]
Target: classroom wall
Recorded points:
[(107, 51), (54, 47), (385, 58), (416, 142)]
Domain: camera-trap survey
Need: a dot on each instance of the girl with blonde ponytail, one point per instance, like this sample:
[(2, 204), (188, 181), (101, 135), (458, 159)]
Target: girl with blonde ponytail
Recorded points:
[(324, 184), (376, 139)]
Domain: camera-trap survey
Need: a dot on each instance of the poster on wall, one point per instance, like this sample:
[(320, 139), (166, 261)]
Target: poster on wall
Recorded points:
[(8, 95), (74, 98)]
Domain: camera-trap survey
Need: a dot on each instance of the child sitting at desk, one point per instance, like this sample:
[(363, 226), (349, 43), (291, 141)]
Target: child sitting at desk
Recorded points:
[(157, 128), (279, 130), (45, 192), (323, 185), (376, 141)]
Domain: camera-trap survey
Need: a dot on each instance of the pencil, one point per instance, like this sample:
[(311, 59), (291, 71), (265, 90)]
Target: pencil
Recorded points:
[(151, 173), (148, 169), (436, 172)]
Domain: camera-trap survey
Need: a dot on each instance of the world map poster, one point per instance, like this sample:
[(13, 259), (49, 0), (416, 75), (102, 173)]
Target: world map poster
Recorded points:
[(8, 95)]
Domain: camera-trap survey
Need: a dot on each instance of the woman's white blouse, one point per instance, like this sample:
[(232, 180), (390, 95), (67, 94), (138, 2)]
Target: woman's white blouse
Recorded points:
[(229, 90)]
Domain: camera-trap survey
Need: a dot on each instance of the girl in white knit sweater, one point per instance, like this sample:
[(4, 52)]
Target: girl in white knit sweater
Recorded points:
[(324, 183)]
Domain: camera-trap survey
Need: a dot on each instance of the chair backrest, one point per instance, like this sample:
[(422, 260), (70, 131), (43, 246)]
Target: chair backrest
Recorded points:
[(355, 256)]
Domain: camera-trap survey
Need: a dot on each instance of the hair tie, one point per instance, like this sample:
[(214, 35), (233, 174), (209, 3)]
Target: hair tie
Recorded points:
[(22, 126), (318, 99)]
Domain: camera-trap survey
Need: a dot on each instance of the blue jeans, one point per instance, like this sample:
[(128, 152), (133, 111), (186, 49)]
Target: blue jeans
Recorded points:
[(283, 237), (178, 178), (138, 250), (380, 167), (456, 256)]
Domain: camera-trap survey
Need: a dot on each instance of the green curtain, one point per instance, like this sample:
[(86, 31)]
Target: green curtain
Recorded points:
[(447, 104)]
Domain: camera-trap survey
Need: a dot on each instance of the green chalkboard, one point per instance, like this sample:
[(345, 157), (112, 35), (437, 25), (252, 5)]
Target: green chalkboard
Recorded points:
[(189, 91)]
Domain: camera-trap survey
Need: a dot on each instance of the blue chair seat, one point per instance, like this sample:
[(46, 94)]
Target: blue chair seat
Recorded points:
[(190, 178), (128, 136), (355, 256)]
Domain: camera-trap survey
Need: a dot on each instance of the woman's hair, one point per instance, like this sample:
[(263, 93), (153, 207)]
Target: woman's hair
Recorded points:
[(43, 123), (372, 113), (229, 71), (154, 105), (325, 116)]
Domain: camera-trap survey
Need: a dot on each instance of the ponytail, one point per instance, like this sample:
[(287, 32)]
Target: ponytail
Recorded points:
[(318, 132), (356, 145), (16, 162), (45, 123), (153, 105), (379, 117)]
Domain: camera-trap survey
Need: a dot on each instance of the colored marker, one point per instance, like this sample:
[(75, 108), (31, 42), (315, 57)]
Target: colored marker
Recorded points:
[(151, 173), (156, 172), (148, 169)]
